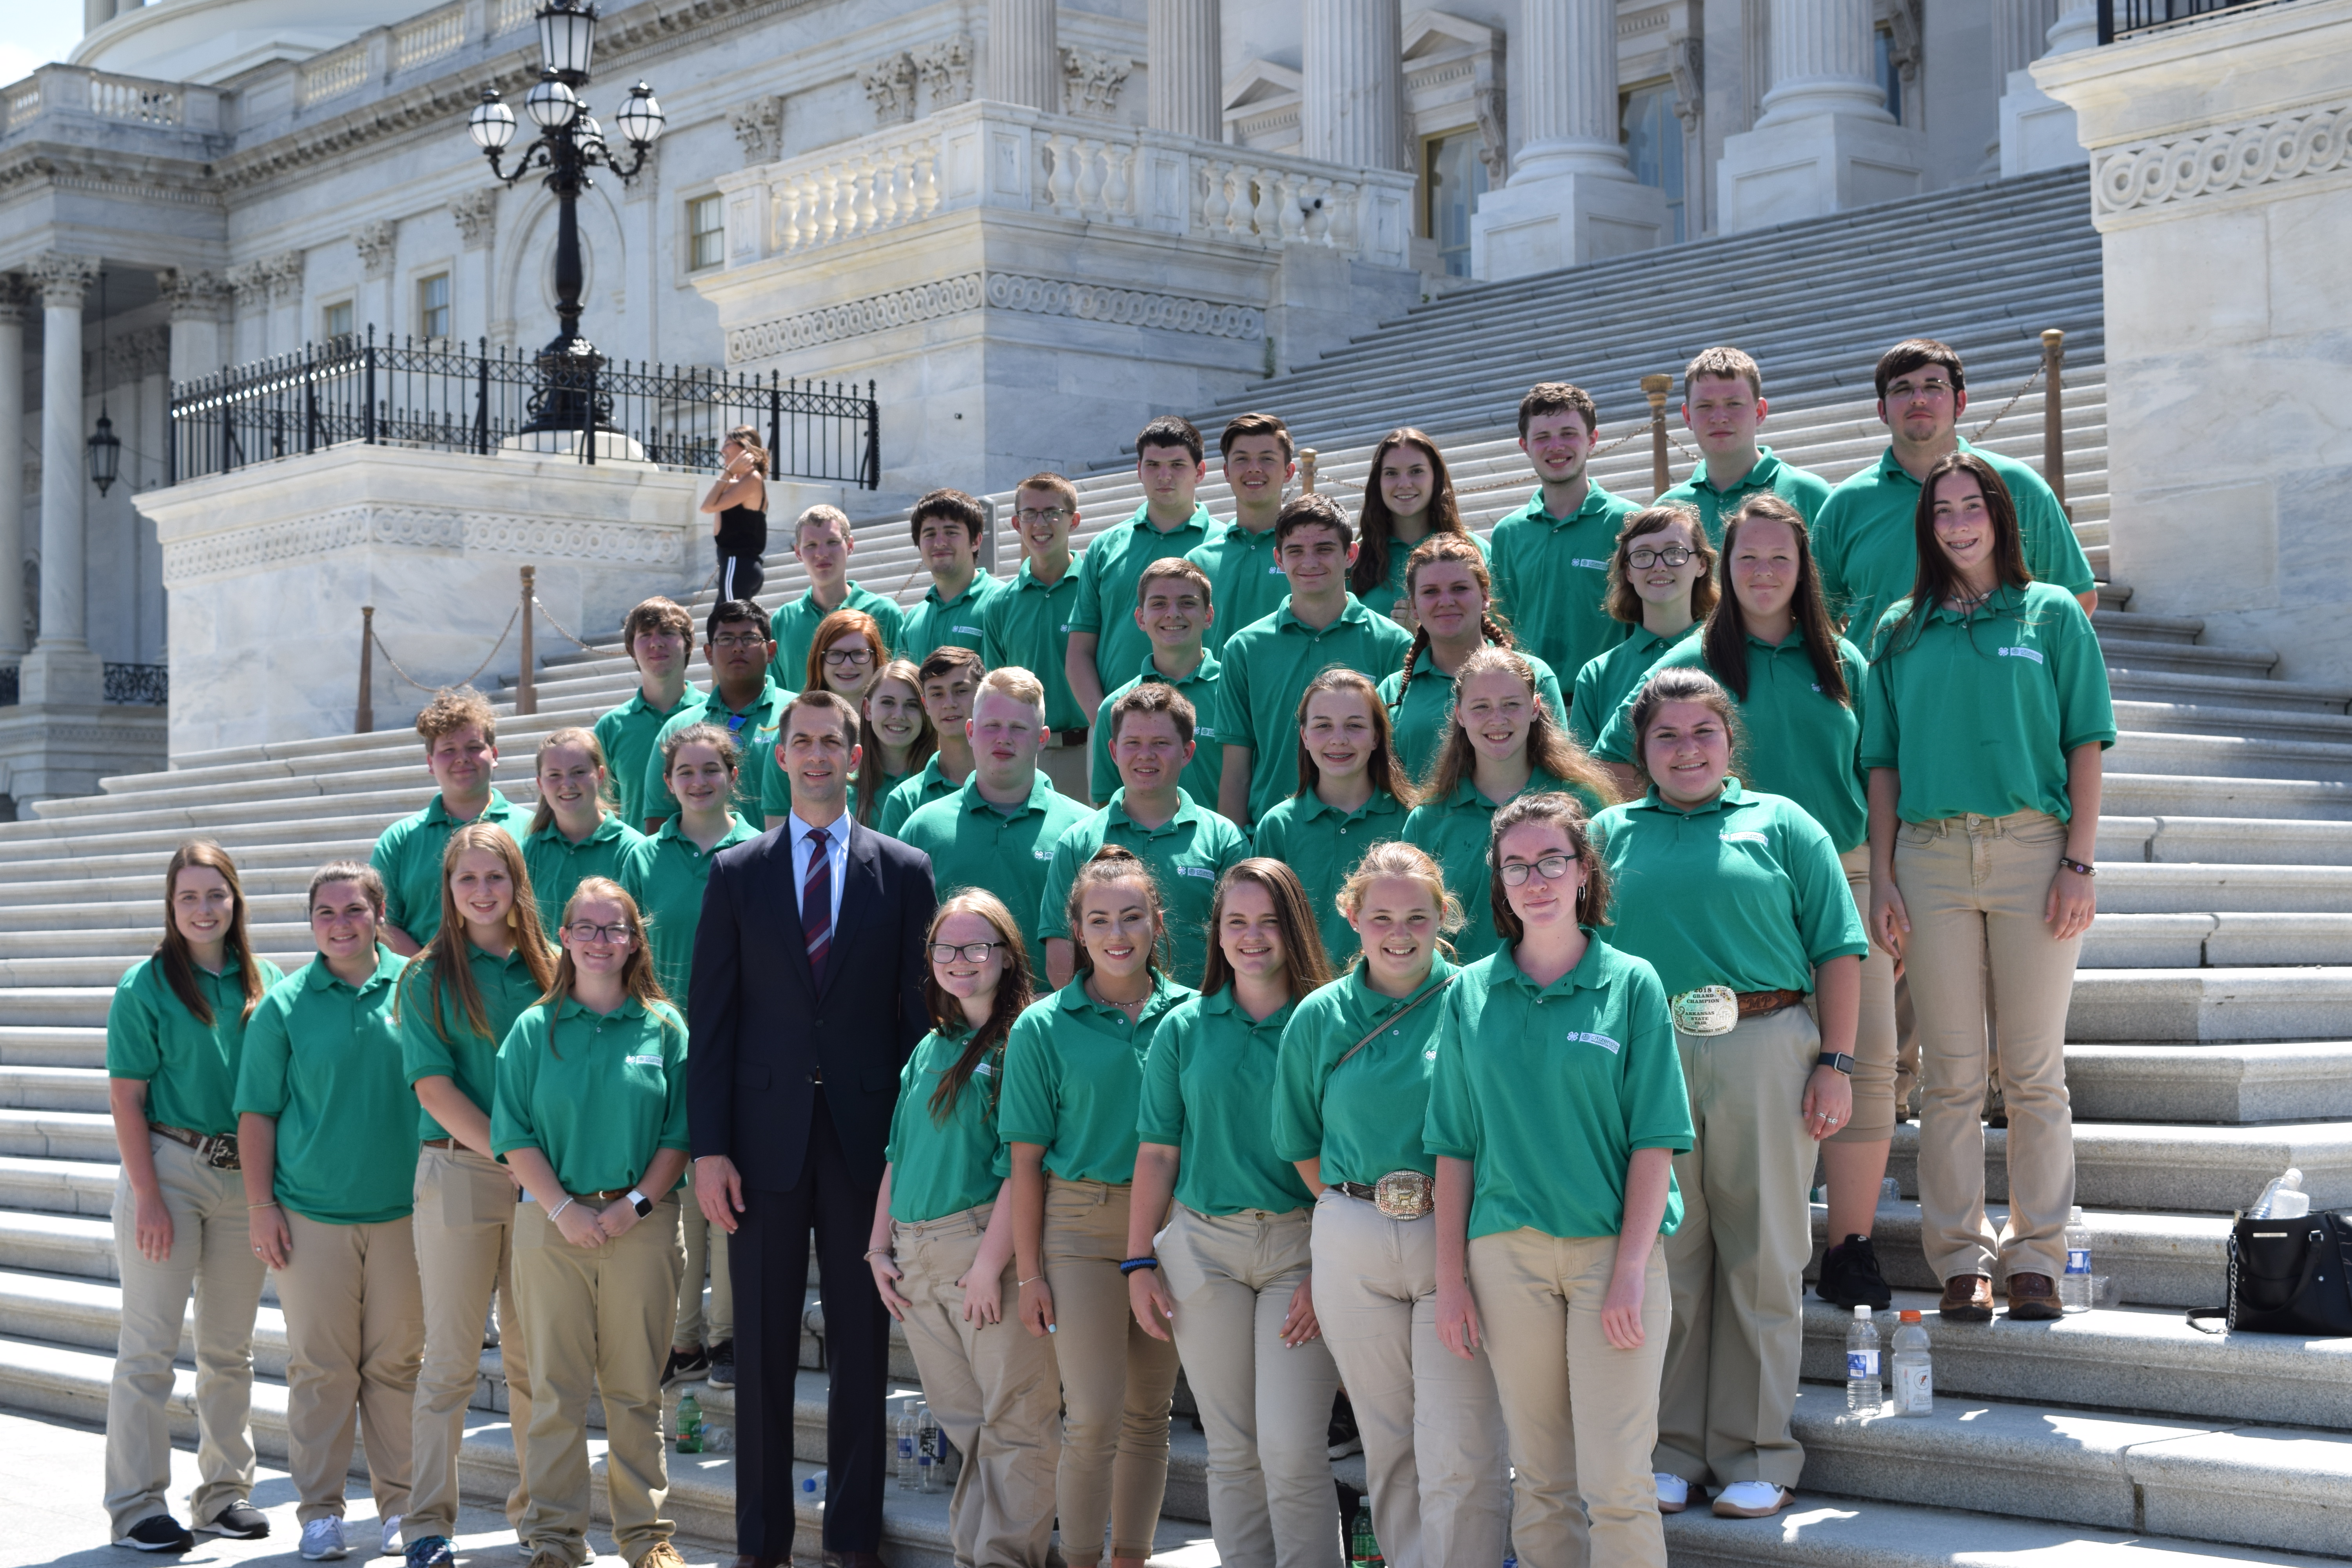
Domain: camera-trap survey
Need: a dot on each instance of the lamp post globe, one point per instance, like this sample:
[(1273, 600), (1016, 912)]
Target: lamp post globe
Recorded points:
[(567, 38), (492, 123), (641, 118), (551, 104)]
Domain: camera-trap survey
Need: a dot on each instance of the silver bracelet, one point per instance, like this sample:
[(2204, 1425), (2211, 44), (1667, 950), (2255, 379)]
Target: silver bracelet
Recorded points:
[(559, 1208)]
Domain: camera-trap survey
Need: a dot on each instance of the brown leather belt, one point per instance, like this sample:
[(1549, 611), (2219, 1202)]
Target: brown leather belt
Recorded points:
[(1076, 737), (436, 1142), (1756, 1003), (218, 1149), (614, 1196)]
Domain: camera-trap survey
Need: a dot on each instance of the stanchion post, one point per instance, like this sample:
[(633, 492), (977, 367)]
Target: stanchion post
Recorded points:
[(364, 716), (1655, 388), (526, 693), (1307, 461), (2053, 417)]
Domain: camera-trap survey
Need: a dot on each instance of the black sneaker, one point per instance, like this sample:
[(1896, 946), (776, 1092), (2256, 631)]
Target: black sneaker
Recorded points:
[(160, 1532), (1341, 1438), (433, 1552), (240, 1521), (1849, 1276), (722, 1363), (685, 1366)]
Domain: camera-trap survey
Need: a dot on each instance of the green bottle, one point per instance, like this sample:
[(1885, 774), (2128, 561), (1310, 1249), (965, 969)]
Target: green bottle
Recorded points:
[(690, 1424), (1363, 1548)]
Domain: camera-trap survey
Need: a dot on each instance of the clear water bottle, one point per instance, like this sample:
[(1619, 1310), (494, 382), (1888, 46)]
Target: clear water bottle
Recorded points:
[(812, 1487), (2075, 1285), (1863, 1393), (1363, 1546), (2283, 1198), (1913, 1378), (929, 1452), (902, 1434)]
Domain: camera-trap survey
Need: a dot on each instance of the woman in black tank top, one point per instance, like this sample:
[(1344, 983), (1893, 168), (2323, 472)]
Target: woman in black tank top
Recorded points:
[(740, 524)]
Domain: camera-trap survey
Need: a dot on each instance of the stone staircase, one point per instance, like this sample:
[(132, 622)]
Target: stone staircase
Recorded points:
[(2207, 1053)]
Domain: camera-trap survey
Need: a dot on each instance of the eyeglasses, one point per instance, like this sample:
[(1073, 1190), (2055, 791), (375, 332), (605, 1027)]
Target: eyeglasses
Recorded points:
[(1934, 388), (1551, 867), (584, 933), (1643, 559), (1035, 515), (971, 951), (840, 658), (738, 644)]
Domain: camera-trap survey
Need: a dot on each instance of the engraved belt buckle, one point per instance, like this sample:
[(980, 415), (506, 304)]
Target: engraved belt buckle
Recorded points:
[(1706, 1010), (220, 1151), (1404, 1195)]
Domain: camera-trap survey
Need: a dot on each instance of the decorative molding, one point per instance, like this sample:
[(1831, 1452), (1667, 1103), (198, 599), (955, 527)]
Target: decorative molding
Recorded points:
[(418, 528), (2225, 158), (759, 126), (857, 318), (890, 84), (17, 299), (136, 354), (63, 278), (1125, 307), (1012, 292), (192, 296), (284, 274), (1686, 67), (248, 281), (374, 241), (1491, 104), (1905, 37), (476, 212), (1091, 80), (946, 71)]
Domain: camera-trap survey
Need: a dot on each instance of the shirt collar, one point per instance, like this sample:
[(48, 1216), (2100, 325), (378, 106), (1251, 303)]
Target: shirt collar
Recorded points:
[(1372, 1003), (1466, 791), (573, 1007), (1889, 469), (1187, 812), (1354, 615), (316, 976), (608, 826), (1587, 976), (1596, 499), (1760, 476), (714, 703), (1201, 519), (837, 832), (687, 697), (1222, 1001), (1732, 796), (1204, 671), (437, 811), (979, 580), (2006, 596), (738, 830), (1024, 578), (973, 800), (1165, 993), (1379, 804)]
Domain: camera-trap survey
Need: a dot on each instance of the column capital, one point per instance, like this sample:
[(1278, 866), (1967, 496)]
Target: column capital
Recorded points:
[(63, 278), (192, 295), (374, 242), (477, 216), (16, 298)]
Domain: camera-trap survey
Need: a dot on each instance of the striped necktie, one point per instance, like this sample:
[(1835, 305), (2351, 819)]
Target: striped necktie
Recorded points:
[(816, 902)]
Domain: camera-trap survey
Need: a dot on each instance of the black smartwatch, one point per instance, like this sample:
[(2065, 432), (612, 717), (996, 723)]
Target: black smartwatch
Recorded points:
[(1837, 1059), (639, 1202)]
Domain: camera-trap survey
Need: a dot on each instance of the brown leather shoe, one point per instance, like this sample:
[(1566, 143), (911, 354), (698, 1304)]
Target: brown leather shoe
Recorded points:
[(2033, 1299), (1967, 1298)]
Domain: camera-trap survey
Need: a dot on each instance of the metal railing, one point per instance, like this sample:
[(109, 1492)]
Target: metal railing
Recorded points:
[(440, 396), (2125, 19), (125, 683)]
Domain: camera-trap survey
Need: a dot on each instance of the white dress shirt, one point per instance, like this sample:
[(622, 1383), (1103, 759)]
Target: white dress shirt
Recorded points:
[(836, 850)]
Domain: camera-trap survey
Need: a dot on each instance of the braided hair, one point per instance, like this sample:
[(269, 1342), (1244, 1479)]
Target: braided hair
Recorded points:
[(1458, 548)]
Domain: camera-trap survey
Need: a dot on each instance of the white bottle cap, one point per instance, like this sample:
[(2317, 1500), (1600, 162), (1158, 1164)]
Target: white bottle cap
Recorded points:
[(2074, 1214), (1863, 1312)]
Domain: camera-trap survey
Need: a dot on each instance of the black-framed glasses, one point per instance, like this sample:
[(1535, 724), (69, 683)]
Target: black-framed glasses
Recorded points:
[(740, 642), (1643, 558), (1551, 867), (1031, 516), (842, 657), (971, 951), (582, 931)]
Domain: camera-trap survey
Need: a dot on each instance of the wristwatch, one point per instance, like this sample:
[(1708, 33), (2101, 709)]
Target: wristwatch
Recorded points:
[(1837, 1059), (639, 1202)]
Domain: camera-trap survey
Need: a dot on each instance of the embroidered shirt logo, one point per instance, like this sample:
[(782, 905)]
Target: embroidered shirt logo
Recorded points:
[(1042, 853), (1588, 563), (1206, 873), (965, 631), (644, 1061), (2017, 652), (1590, 1038), (1742, 835)]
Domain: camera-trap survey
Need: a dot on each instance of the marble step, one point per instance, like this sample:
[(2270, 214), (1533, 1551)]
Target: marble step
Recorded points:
[(2204, 940), (2139, 652), (29, 1046), (2130, 683), (2246, 723), (2231, 1084), (1829, 1532), (2177, 1006), (2195, 809), (2155, 1260), (2207, 755), (56, 1007), (2169, 1167), (33, 1184)]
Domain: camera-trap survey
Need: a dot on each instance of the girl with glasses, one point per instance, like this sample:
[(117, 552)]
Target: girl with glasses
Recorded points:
[(1661, 581), (847, 655), (576, 832), (1454, 616)]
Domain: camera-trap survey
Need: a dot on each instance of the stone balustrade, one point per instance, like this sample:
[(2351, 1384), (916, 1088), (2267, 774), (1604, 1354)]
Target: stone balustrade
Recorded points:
[(130, 100)]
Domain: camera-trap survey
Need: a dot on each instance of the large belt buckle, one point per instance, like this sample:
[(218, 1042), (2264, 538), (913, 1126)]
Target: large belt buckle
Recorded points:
[(1706, 1010), (220, 1151), (1404, 1195)]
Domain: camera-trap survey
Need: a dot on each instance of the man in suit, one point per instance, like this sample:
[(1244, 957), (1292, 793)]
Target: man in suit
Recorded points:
[(806, 998)]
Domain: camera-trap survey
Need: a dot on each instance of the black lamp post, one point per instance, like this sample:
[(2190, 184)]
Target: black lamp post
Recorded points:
[(569, 144)]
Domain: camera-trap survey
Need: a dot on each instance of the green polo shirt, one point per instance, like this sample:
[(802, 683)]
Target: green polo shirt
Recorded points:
[(1187, 854), (666, 874), (189, 1067), (975, 844), (1029, 624), (755, 728), (1454, 831), (1363, 1120), (947, 623), (627, 735), (941, 1168), (1800, 488), (1607, 681), (557, 864), (1745, 891), (323, 1058), (407, 855), (1801, 742), (1979, 714), (1864, 540), (1245, 582), (1074, 1079), (438, 1041), (1268, 667), (796, 627), (911, 793), (1420, 712), (598, 1093), (1206, 770), (1108, 572), (1552, 576), (1322, 845), (1382, 599), (1206, 1083), (1549, 1090)]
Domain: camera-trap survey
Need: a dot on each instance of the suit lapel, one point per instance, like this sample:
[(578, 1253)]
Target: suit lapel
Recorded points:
[(792, 933), (861, 895)]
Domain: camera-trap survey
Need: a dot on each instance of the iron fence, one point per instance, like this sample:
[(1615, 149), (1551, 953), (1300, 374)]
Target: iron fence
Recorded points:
[(436, 396), (130, 683), (2122, 18)]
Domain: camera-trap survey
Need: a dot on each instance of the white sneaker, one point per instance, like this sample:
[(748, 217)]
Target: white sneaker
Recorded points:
[(1751, 1499), (323, 1538), (1674, 1492), (392, 1535)]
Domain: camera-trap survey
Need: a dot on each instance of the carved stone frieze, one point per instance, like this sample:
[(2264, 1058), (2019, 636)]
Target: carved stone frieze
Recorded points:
[(1091, 80), (2296, 145)]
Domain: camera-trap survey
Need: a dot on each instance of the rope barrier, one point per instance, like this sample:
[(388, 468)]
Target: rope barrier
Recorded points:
[(515, 616)]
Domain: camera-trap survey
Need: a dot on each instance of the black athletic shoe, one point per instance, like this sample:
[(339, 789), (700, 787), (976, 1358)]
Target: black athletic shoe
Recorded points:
[(685, 1366), (1341, 1439), (240, 1521), (1849, 1276), (722, 1363), (160, 1532)]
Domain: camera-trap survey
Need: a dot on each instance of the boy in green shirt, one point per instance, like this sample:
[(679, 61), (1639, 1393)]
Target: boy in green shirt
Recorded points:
[(1723, 403), (822, 543), (947, 679), (1550, 558), (1029, 623), (460, 729), (947, 527), (1173, 606), (658, 637), (743, 700), (1104, 643), (1244, 576)]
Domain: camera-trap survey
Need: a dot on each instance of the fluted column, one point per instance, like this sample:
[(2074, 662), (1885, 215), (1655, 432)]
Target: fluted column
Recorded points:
[(61, 669), (1187, 60), (14, 297), (2020, 32), (1824, 61), (1568, 51), (1824, 142), (197, 302), (1353, 108), (1024, 56), (2037, 131)]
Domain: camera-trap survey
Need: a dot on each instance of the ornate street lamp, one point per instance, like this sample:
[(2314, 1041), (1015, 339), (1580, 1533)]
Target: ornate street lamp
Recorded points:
[(105, 448), (569, 144)]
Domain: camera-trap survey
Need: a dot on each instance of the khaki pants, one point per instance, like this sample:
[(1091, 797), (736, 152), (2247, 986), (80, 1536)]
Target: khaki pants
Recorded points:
[(598, 1319), (695, 1327), (1116, 1381), (354, 1337), (1975, 888), (992, 1387), (1070, 768), (1875, 1074), (1736, 1262), (212, 1257), (1432, 1426), (1581, 1414), (1265, 1406), (464, 1247)]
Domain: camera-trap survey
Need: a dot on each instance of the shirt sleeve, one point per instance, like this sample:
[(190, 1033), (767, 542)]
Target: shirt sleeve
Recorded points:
[(1658, 1105), (134, 1045), (1585, 719), (672, 1036), (261, 1069), (991, 628), (776, 788), (1086, 615), (385, 859), (1160, 1109), (1881, 731), (1298, 1085), (1029, 1109), (1501, 571), (1450, 1126), (1614, 744), (423, 1052), (2086, 708), (1102, 773), (893, 621), (1060, 872), (654, 794), (512, 1126), (1827, 919), (894, 1150), (1234, 722), (2052, 551), (1547, 688)]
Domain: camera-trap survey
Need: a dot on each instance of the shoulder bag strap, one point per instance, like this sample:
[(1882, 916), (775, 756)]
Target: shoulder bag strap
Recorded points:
[(1389, 1022)]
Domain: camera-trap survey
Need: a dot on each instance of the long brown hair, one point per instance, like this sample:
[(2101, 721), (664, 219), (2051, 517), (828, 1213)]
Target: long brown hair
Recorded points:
[(919, 751), (1378, 524), (1550, 749), (545, 811), (1492, 625), (1554, 806), (830, 630), (1936, 580), (637, 977), (172, 953), (1304, 961), (1113, 864), (1724, 642), (1624, 602), (445, 961), (1014, 991), (1383, 767), (1681, 683)]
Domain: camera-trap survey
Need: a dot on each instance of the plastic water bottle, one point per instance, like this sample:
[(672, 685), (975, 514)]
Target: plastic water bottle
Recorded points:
[(690, 1424), (927, 1450), (2075, 1285), (1915, 1379), (902, 1433), (1363, 1547), (812, 1487), (1863, 1394), (2283, 1198)]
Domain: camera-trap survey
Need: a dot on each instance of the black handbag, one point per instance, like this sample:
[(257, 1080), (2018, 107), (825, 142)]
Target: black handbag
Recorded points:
[(2289, 1276)]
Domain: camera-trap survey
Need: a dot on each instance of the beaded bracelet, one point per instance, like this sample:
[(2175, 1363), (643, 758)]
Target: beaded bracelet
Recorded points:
[(1132, 1263)]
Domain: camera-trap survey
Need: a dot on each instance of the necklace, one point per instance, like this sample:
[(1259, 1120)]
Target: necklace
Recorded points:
[(1130, 1008)]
